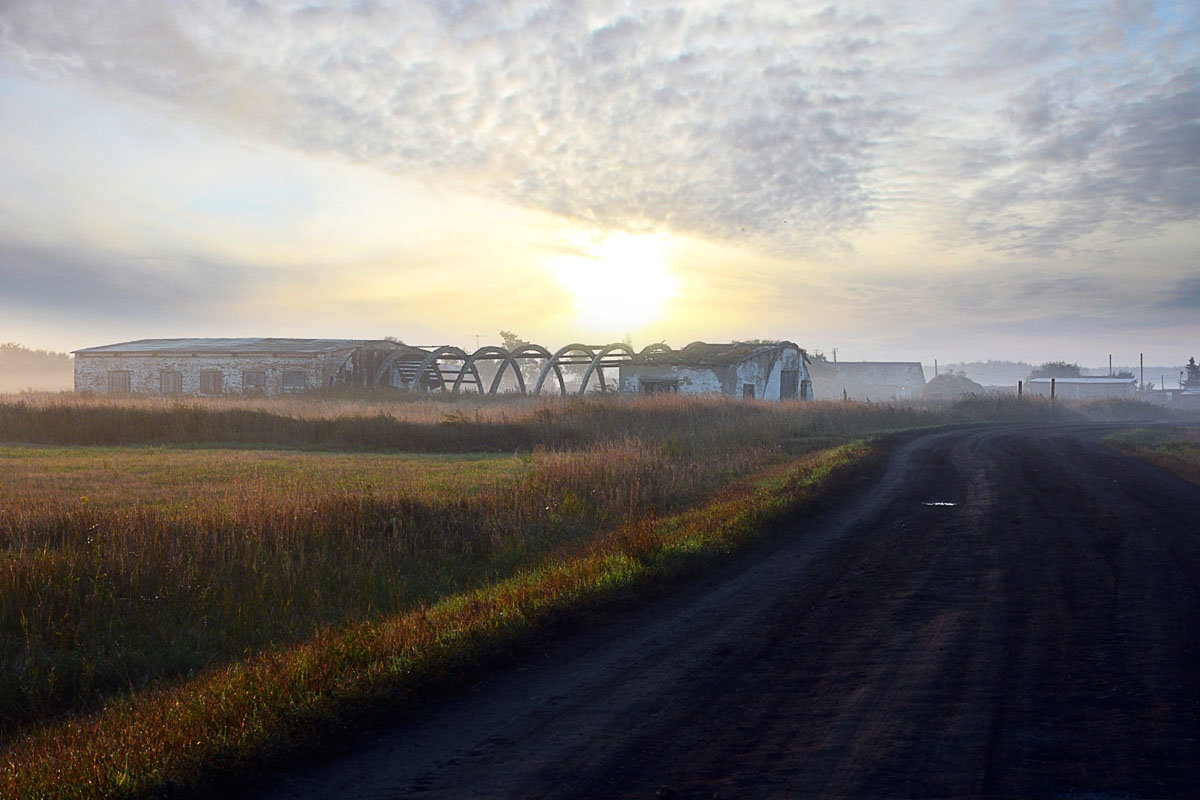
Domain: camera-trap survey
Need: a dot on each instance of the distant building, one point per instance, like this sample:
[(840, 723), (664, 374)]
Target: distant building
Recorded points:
[(226, 366), (1085, 387), (772, 371), (868, 380)]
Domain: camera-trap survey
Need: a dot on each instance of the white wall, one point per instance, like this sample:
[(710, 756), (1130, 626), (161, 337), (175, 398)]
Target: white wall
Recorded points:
[(91, 370)]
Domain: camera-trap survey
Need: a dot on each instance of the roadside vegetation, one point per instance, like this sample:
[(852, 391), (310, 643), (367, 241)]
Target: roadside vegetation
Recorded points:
[(188, 589), (1175, 447)]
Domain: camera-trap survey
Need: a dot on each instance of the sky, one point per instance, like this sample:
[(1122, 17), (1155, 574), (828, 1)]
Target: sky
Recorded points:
[(897, 180)]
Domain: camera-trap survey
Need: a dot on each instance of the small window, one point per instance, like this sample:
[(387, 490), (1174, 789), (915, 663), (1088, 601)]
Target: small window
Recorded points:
[(295, 381), (660, 387), (211, 382), (118, 381), (747, 391), (170, 382), (254, 381)]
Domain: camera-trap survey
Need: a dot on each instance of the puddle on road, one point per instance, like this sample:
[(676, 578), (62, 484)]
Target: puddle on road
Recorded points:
[(938, 503)]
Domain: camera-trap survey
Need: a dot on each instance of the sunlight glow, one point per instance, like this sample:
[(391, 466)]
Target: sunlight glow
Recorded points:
[(619, 281)]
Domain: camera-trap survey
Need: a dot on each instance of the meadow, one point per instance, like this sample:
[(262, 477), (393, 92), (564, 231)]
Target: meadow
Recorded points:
[(1175, 447), (189, 588)]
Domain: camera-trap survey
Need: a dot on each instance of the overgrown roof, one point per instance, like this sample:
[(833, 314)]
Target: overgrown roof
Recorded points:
[(703, 354)]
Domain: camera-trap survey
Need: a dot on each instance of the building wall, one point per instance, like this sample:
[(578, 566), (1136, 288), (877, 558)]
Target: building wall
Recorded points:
[(1083, 391), (763, 372), (692, 380), (92, 370)]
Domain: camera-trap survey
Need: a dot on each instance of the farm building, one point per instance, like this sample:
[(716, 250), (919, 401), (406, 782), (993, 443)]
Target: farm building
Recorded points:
[(868, 380), (226, 366), (772, 371), (1085, 388)]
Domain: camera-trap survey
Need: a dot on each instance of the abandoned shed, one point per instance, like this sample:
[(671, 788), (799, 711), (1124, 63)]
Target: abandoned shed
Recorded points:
[(771, 371), (868, 380), (227, 366)]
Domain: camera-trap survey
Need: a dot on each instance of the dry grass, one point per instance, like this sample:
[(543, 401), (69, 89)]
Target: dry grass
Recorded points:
[(228, 717), (153, 598)]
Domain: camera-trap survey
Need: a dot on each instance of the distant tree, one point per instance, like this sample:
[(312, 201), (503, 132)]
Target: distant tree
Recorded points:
[(1056, 369), (22, 367), (1193, 374), (1123, 373), (817, 357), (529, 367)]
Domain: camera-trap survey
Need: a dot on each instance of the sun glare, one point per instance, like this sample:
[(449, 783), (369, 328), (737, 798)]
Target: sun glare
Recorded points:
[(619, 282)]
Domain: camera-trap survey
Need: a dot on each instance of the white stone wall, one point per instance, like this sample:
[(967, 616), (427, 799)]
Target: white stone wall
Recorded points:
[(763, 372), (692, 380), (92, 370)]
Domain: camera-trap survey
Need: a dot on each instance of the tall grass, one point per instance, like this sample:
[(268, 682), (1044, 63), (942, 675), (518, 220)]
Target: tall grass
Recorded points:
[(133, 571), (471, 425)]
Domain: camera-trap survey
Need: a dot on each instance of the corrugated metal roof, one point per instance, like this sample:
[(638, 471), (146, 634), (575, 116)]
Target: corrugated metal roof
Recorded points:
[(703, 354), (233, 346), (1086, 379)]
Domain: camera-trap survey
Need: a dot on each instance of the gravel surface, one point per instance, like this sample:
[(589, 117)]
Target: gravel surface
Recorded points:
[(1007, 612)]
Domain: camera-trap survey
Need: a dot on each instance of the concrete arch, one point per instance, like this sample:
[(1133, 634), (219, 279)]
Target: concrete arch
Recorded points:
[(491, 353), (657, 347), (537, 351), (389, 363), (448, 352), (596, 365), (553, 362)]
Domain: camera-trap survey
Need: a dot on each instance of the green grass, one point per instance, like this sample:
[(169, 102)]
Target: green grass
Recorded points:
[(1175, 447), (232, 717), (170, 609)]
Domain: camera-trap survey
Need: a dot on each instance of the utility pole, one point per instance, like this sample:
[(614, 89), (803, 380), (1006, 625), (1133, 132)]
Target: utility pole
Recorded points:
[(935, 368), (1110, 365), (835, 355), (1142, 369)]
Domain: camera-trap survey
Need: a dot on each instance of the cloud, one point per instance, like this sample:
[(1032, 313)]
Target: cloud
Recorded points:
[(83, 282), (1021, 126), (1183, 295)]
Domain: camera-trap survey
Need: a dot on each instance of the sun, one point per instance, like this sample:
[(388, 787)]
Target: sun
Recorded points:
[(619, 281)]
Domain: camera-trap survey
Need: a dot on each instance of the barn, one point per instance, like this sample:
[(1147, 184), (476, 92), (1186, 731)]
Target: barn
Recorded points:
[(262, 366), (764, 371)]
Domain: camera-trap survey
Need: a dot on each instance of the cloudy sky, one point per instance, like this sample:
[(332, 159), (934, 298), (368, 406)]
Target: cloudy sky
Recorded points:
[(898, 180)]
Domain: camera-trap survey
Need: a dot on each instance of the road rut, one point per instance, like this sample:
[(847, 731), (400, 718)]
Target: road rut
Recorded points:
[(1008, 612)]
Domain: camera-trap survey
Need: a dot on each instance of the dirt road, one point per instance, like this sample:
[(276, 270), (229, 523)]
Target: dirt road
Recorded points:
[(1007, 613)]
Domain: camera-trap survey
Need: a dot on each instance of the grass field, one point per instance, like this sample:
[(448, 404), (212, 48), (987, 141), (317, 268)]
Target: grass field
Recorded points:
[(169, 608), (1175, 447)]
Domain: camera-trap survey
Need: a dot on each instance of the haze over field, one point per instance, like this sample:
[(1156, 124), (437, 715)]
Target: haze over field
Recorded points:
[(897, 180)]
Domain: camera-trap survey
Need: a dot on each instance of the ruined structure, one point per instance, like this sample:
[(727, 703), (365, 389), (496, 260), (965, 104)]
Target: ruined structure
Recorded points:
[(767, 371), (215, 367)]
